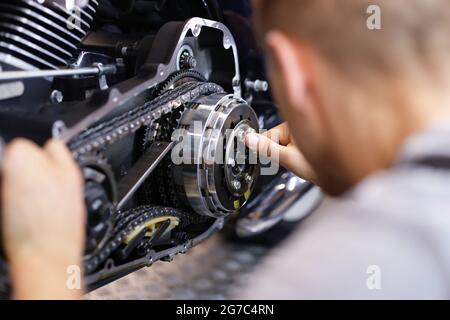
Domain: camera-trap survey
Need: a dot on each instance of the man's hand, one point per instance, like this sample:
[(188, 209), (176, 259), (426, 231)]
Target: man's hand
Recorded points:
[(277, 144), (43, 218)]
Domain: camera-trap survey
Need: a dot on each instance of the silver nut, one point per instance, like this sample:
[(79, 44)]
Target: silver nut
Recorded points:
[(58, 128), (261, 86), (231, 162), (56, 97), (236, 185), (257, 85)]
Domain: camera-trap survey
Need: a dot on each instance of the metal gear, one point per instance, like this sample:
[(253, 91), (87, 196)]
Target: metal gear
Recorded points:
[(178, 78), (160, 187), (162, 130), (128, 225), (100, 194)]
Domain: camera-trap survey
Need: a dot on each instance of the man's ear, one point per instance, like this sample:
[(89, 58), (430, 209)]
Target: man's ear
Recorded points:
[(290, 67)]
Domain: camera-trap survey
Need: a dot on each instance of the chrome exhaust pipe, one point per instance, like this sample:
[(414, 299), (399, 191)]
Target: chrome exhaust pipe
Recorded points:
[(271, 206)]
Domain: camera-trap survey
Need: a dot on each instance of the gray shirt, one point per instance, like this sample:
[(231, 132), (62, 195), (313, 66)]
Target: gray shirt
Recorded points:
[(389, 238)]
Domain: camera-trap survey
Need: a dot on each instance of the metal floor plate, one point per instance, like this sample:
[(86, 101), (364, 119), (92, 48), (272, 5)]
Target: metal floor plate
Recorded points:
[(211, 271)]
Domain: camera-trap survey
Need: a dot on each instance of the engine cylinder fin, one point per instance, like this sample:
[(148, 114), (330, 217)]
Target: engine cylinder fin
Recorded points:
[(77, 19), (11, 49), (48, 32), (25, 24), (33, 49), (54, 26), (30, 36), (60, 18)]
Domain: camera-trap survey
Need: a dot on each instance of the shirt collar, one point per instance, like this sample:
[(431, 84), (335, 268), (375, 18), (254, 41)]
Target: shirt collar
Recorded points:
[(430, 143)]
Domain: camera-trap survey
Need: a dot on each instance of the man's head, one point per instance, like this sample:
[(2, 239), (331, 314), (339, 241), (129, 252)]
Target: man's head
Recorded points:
[(350, 94)]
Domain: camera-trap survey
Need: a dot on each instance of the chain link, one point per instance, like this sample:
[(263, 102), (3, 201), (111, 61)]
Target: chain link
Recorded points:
[(126, 124)]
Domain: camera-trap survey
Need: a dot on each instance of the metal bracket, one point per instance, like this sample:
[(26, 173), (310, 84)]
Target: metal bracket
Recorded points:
[(133, 244), (102, 72), (141, 170)]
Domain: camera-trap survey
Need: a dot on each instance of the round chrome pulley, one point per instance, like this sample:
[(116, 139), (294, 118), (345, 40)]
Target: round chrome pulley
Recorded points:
[(215, 172)]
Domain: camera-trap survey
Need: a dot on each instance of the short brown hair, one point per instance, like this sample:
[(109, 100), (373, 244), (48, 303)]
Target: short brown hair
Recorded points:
[(418, 29)]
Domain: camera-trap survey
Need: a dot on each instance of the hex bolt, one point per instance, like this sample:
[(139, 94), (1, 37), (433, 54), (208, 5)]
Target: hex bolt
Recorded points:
[(56, 97), (191, 62), (262, 86), (58, 128), (248, 179), (124, 51), (257, 85), (187, 61), (236, 185)]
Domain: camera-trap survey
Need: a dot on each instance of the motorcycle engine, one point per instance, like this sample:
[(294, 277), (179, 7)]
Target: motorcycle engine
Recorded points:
[(129, 98)]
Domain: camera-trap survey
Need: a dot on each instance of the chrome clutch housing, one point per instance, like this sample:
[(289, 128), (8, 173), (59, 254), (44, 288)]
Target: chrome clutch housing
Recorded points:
[(217, 173)]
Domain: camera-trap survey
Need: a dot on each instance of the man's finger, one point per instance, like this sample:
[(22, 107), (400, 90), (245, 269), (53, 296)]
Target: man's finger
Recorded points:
[(280, 134), (266, 147), (289, 157)]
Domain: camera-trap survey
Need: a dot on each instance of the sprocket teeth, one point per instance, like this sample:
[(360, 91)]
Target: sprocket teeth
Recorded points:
[(164, 194)]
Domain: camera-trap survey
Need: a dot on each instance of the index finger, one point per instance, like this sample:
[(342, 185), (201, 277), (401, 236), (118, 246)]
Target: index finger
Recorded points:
[(281, 132)]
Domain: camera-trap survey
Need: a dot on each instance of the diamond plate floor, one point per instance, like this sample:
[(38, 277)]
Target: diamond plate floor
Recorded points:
[(211, 271)]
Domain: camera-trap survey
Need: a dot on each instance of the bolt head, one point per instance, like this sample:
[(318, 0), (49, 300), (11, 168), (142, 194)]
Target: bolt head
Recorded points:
[(56, 96), (193, 63), (237, 185)]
